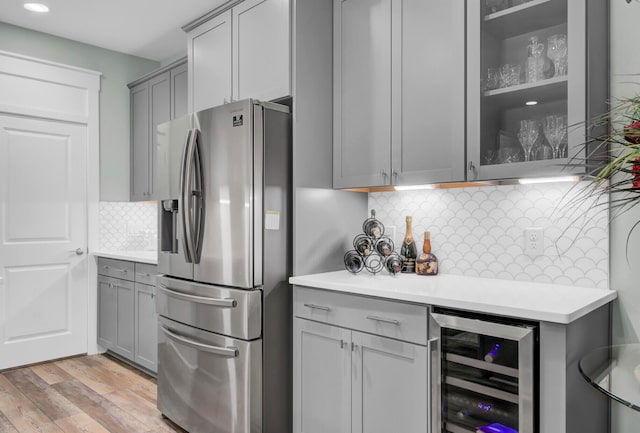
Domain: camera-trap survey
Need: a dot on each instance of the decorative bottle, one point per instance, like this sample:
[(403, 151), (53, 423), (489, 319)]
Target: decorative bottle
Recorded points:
[(535, 60), (408, 249), (427, 263)]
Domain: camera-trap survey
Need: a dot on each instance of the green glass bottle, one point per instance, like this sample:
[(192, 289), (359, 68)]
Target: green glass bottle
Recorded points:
[(408, 250)]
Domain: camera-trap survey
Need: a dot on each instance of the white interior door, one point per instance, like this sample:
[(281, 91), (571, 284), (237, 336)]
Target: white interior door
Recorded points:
[(43, 220)]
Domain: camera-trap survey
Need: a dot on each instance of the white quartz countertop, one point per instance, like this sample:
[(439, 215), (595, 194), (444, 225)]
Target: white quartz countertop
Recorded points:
[(150, 257), (534, 301)]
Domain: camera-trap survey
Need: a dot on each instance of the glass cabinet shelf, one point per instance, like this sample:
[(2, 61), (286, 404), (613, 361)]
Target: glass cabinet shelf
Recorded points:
[(517, 96), (525, 18)]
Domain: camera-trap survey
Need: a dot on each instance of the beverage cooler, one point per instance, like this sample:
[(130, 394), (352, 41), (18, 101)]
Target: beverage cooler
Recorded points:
[(484, 373)]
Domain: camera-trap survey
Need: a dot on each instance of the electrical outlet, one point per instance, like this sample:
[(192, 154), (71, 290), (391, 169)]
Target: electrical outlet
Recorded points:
[(533, 241)]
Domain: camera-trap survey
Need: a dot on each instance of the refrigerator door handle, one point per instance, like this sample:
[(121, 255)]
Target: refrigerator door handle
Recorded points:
[(228, 352), (185, 196), (183, 210), (198, 195), (218, 302)]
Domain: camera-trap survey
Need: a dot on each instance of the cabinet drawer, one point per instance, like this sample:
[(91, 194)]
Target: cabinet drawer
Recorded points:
[(393, 319), (146, 274), (115, 268)]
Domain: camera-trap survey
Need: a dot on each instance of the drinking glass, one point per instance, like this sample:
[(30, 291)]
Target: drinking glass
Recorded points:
[(493, 79), (509, 75), (557, 51), (528, 135), (495, 5), (555, 130)]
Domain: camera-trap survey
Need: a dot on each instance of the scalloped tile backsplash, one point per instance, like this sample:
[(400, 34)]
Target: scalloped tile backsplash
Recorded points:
[(128, 226), (479, 231)]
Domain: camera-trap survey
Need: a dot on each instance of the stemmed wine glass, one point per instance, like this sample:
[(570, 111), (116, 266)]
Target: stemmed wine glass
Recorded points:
[(528, 135), (555, 129), (557, 51)]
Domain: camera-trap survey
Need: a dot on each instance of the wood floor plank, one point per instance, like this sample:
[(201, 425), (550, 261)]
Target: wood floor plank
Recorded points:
[(21, 411), (48, 400), (145, 411), (50, 373), (122, 378), (99, 408), (86, 375), (5, 425), (80, 423)]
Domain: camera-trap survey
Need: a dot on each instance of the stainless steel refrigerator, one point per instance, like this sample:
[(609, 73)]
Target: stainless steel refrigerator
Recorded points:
[(223, 301)]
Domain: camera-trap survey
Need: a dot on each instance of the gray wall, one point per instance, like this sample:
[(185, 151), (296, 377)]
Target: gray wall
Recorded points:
[(624, 265), (117, 70), (325, 220)]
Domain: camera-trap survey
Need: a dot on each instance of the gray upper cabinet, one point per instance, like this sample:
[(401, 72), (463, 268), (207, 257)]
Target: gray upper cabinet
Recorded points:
[(398, 92), (209, 51), (155, 99), (240, 52), (556, 72)]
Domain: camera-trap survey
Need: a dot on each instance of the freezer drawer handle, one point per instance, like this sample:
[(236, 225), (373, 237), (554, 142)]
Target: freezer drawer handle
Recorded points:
[(226, 302), (382, 319), (229, 352), (317, 307)]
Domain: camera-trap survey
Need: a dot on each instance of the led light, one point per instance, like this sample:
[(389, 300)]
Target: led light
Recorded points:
[(549, 180), (413, 187), (531, 103), (36, 7)]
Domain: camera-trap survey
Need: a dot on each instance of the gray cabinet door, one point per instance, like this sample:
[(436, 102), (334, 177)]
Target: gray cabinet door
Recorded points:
[(389, 385), (107, 313), (159, 112), (362, 93), (139, 100), (261, 49), (146, 327), (322, 378), (209, 50), (125, 318), (179, 91), (428, 92)]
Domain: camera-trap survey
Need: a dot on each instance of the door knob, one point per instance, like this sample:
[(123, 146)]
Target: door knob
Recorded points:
[(78, 251)]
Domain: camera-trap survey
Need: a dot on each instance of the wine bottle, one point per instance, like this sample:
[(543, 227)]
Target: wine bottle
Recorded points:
[(427, 263), (408, 250), (363, 244), (373, 227), (393, 263), (384, 246), (493, 353), (353, 262)]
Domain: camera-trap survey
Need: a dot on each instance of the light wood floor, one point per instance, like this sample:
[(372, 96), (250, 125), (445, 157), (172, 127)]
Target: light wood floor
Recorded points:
[(88, 394)]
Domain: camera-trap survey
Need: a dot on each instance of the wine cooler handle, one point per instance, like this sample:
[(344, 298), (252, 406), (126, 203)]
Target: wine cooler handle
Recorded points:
[(430, 419)]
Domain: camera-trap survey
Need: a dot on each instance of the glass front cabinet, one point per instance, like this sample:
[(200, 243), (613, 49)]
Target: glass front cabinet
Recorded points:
[(536, 72)]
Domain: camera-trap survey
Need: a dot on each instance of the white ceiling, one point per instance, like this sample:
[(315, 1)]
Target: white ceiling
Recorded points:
[(145, 28)]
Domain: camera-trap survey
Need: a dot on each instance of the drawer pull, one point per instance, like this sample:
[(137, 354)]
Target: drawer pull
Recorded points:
[(317, 307), (382, 319), (228, 352), (225, 303), (144, 275)]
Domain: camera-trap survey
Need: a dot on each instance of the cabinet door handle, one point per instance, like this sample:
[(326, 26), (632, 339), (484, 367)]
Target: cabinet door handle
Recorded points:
[(341, 344), (383, 173), (385, 320), (472, 167), (317, 307)]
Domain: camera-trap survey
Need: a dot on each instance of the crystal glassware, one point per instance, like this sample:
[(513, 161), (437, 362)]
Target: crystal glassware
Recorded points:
[(509, 75), (528, 136), (557, 51), (555, 130)]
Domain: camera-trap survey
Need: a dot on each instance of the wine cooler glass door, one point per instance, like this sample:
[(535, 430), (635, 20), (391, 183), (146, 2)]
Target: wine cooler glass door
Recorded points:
[(482, 375)]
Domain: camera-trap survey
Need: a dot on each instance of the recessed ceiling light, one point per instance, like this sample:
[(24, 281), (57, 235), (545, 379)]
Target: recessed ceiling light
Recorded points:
[(531, 103), (36, 7)]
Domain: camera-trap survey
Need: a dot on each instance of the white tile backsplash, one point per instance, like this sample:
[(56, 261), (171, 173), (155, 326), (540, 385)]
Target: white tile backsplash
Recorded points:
[(126, 226), (480, 231)]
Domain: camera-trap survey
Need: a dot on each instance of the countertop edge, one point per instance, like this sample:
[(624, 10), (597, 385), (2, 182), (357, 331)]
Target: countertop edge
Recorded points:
[(127, 256), (563, 318)]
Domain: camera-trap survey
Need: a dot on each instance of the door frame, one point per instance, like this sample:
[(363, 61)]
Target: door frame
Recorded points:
[(30, 71)]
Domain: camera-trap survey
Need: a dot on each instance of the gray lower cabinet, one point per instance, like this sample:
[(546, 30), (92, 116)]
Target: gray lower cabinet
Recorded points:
[(346, 380), (154, 99), (127, 322)]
